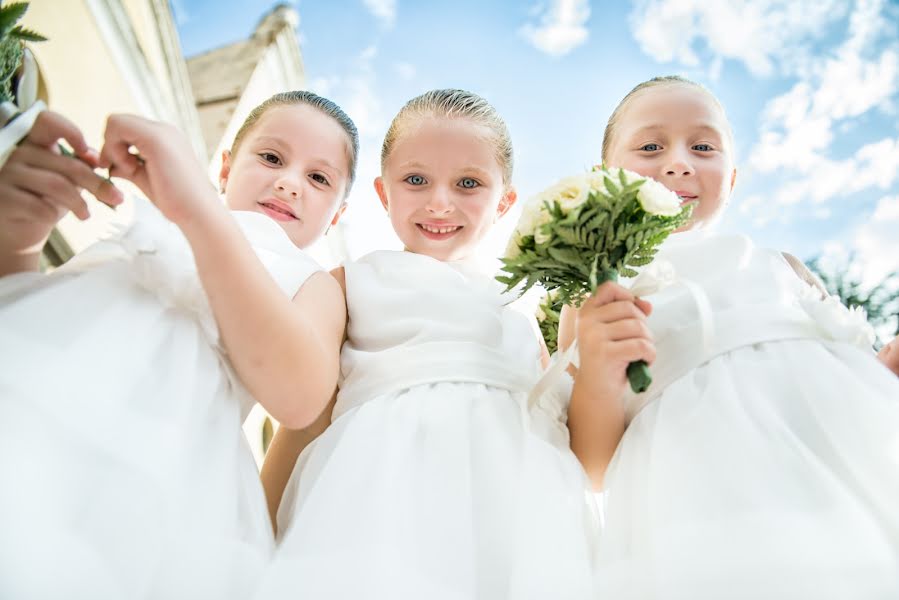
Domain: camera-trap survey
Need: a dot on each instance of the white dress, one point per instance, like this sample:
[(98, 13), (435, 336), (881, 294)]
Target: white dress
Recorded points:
[(124, 472), (434, 479), (763, 462)]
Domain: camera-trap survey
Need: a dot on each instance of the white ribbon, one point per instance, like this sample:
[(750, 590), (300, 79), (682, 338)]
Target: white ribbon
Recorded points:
[(17, 129), (657, 276), (19, 126)]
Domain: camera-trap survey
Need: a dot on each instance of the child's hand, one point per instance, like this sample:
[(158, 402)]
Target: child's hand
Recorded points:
[(158, 158), (889, 356), (612, 332), (39, 185)]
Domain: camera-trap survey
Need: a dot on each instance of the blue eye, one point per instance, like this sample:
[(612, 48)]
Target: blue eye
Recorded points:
[(650, 147), (270, 158), (415, 180), (702, 147), (468, 183)]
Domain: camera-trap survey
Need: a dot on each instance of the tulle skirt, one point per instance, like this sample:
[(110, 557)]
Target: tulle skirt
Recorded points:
[(769, 472), (440, 491), (123, 469)]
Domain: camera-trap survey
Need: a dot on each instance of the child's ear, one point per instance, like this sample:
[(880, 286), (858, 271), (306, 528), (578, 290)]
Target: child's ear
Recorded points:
[(225, 170), (506, 202), (338, 214), (382, 192)]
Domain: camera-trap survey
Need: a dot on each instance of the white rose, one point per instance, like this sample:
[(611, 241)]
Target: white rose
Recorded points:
[(570, 192), (540, 237), (595, 179), (656, 199), (836, 321), (533, 215), (512, 249)]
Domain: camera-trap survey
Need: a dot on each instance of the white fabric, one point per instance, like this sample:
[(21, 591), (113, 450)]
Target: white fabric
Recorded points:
[(434, 480), (18, 129), (123, 469), (764, 464)]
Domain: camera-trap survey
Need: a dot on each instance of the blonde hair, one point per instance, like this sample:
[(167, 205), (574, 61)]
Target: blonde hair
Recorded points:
[(453, 104), (325, 106), (609, 133)]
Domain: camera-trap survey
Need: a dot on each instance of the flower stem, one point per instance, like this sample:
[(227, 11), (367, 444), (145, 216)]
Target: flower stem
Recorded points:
[(638, 374)]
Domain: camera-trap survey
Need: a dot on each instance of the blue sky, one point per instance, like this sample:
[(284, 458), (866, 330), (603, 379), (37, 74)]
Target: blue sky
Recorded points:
[(811, 87)]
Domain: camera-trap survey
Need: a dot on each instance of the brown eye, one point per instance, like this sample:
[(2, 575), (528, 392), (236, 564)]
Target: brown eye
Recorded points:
[(270, 158), (319, 178)]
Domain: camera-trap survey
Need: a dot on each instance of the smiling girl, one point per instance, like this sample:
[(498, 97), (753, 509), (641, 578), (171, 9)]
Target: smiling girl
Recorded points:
[(129, 370), (762, 461), (435, 479)]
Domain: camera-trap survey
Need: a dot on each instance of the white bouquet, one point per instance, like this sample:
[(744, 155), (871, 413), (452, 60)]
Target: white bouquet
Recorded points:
[(588, 229)]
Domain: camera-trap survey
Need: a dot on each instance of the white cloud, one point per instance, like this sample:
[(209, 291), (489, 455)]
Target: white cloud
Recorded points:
[(762, 34), (182, 16), (804, 128), (887, 210), (323, 86), (874, 165), (364, 226), (383, 10), (876, 243), (367, 55), (405, 70), (561, 27)]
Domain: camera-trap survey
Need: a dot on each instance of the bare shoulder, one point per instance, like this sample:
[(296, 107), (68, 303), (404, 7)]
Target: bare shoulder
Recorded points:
[(322, 295), (339, 275), (804, 273)]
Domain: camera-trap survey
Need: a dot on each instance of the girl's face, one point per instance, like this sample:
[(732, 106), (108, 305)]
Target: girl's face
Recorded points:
[(292, 166), (443, 187), (678, 135)]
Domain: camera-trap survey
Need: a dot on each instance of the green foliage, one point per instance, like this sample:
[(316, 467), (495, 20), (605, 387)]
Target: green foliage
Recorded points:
[(880, 302), (12, 38), (608, 235), (549, 323)]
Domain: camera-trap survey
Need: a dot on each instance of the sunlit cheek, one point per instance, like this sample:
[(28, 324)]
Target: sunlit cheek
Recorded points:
[(480, 209), (639, 165)]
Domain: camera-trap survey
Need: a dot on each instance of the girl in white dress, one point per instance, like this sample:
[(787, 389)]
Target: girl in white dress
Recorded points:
[(763, 461), (128, 371), (435, 479)]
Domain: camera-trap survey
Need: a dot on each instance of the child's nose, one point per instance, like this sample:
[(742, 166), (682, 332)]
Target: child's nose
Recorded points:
[(679, 165), (439, 203), (288, 186)]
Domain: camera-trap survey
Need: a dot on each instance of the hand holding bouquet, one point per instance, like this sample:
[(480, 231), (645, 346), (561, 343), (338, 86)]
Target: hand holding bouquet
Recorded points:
[(589, 229)]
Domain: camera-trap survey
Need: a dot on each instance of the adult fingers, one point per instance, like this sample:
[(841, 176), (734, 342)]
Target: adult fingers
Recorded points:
[(52, 187), (50, 127), (21, 205), (75, 170)]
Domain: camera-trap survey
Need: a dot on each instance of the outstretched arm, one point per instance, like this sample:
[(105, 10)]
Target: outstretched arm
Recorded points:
[(285, 352), (282, 455), (611, 333)]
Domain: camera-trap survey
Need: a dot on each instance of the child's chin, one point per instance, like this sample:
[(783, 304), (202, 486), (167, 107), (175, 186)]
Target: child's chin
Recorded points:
[(443, 251)]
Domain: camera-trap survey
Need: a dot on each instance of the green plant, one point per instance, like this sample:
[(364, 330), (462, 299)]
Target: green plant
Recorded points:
[(12, 40)]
